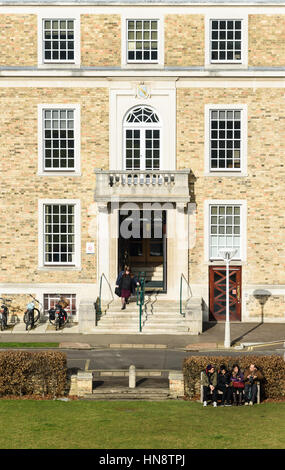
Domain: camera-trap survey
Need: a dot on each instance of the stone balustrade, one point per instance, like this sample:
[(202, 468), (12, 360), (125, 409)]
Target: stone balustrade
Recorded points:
[(142, 186)]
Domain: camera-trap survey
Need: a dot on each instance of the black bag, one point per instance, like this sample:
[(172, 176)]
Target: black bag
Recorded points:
[(118, 291)]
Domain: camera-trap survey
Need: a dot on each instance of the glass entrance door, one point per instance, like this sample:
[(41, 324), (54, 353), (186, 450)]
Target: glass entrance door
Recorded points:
[(145, 249)]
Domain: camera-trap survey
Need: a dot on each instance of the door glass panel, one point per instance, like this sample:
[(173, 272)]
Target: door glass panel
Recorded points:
[(152, 146), (136, 249), (133, 146), (156, 249)]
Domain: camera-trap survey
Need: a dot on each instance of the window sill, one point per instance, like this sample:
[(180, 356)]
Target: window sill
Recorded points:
[(226, 65), (59, 173), (61, 65), (59, 268), (235, 174), (144, 65)]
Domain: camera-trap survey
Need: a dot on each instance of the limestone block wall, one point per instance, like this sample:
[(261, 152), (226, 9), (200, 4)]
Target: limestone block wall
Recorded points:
[(23, 187), (184, 40), (100, 40), (274, 307), (262, 188), (266, 40), (18, 39)]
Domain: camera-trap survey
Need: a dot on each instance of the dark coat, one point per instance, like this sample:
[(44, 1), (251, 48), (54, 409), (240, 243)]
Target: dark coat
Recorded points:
[(224, 379), (134, 281)]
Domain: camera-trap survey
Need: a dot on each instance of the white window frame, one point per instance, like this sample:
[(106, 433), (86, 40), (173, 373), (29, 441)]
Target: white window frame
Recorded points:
[(76, 171), (142, 126), (163, 101), (77, 233), (68, 309), (233, 15), (242, 171), (243, 228), (61, 14), (142, 14)]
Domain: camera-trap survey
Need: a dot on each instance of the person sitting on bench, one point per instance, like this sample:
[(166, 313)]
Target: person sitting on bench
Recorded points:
[(209, 383), (224, 385), (251, 376), (237, 380)]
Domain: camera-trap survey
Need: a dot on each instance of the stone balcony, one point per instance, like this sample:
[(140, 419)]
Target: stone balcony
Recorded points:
[(142, 186)]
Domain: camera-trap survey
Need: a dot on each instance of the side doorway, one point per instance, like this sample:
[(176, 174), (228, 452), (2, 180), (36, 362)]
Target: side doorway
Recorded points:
[(217, 293)]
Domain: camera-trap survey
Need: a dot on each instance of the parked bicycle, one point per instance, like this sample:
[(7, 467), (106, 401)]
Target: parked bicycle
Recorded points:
[(58, 315), (32, 314), (4, 312)]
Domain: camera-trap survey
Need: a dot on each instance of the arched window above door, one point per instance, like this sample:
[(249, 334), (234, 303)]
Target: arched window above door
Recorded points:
[(142, 114), (142, 139)]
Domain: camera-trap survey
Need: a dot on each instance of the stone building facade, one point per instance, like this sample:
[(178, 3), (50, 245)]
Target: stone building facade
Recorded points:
[(116, 106)]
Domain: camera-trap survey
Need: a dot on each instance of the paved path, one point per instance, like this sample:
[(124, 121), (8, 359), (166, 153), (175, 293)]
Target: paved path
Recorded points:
[(214, 333), (143, 359)]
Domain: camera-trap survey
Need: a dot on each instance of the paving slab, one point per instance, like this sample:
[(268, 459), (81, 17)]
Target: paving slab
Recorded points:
[(200, 346), (71, 345)]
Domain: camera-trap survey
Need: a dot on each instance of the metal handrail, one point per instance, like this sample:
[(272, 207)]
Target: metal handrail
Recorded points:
[(99, 310), (189, 292), (140, 296)]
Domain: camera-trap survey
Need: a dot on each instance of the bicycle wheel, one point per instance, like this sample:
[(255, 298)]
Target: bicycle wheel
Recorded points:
[(29, 325), (26, 317), (36, 315)]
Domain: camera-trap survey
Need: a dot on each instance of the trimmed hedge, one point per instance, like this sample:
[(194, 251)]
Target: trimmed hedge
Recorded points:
[(32, 373), (272, 368)]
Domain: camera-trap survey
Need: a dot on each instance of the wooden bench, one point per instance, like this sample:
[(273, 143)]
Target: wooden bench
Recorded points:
[(220, 392)]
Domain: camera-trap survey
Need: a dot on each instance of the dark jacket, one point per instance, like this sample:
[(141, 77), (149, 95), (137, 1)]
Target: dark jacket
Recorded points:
[(134, 281), (224, 379)]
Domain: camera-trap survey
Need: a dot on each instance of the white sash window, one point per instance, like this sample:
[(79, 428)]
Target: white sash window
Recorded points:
[(142, 139)]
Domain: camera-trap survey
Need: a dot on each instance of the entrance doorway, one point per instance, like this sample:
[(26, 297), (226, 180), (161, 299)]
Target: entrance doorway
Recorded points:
[(217, 293), (142, 245)]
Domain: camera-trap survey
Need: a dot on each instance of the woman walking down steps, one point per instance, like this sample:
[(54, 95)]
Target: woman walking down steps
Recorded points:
[(127, 283)]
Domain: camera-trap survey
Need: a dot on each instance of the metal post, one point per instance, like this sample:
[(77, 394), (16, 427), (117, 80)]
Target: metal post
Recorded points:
[(227, 255), (227, 342)]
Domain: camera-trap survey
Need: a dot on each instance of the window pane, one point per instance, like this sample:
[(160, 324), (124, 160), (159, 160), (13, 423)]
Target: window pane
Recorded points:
[(140, 40), (223, 48), (56, 31)]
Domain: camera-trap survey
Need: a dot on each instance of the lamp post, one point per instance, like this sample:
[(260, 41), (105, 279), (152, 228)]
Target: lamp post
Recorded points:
[(227, 255)]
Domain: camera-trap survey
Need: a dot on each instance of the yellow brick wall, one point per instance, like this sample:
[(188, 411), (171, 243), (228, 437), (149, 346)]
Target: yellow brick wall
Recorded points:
[(263, 188), (101, 40), (22, 187), (184, 40), (266, 43), (18, 39)]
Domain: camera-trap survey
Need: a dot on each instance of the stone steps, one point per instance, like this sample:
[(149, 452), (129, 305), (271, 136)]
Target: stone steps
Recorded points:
[(125, 393), (160, 317)]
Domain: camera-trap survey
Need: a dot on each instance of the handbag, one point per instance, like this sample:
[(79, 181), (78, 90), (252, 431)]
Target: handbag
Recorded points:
[(118, 291), (238, 384)]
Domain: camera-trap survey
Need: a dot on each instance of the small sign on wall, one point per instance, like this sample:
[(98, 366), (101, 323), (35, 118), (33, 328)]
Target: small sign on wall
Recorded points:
[(90, 248)]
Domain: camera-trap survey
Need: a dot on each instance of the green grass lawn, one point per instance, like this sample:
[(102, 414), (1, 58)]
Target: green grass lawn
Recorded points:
[(27, 345), (139, 425)]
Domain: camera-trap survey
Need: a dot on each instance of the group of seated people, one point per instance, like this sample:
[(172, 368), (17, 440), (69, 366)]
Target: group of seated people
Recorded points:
[(237, 387)]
